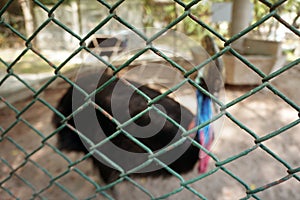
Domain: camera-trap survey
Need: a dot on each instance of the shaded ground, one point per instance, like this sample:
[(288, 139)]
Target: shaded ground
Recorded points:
[(262, 113)]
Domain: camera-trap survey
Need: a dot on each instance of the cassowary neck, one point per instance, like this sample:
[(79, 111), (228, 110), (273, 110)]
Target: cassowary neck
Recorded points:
[(204, 113), (204, 135)]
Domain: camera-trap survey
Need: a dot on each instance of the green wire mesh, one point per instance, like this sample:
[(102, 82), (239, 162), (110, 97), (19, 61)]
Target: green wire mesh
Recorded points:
[(100, 190)]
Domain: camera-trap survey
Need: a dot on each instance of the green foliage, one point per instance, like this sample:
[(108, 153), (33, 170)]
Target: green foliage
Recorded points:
[(260, 10), (164, 13)]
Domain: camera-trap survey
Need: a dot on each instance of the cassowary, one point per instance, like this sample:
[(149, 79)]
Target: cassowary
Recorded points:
[(105, 102), (69, 140)]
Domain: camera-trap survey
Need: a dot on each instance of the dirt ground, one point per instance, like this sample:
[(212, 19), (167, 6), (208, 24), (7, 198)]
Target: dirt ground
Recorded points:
[(29, 163)]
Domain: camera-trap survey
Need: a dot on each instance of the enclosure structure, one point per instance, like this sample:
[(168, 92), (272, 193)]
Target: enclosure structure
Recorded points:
[(253, 159)]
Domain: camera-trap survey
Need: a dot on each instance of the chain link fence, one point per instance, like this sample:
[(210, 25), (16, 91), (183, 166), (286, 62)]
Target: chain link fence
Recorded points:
[(19, 159)]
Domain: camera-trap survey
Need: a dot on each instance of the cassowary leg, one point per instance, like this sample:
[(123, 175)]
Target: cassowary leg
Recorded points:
[(108, 175)]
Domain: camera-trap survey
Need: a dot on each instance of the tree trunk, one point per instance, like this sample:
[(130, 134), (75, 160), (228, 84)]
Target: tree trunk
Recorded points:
[(240, 20), (28, 14)]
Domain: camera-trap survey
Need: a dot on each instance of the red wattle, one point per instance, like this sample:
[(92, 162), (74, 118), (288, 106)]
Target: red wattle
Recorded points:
[(203, 157)]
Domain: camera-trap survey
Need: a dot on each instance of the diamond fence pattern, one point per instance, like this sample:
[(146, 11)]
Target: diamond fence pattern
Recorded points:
[(101, 190)]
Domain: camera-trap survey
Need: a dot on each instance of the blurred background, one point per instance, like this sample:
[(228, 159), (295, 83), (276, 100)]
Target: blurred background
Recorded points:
[(40, 38)]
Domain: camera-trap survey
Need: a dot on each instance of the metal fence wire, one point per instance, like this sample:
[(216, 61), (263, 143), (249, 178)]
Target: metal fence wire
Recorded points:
[(53, 179)]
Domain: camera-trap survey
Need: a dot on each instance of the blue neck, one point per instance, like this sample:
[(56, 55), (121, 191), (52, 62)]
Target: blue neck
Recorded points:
[(204, 113)]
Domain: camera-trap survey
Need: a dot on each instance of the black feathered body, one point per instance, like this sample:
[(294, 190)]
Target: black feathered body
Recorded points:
[(70, 141)]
